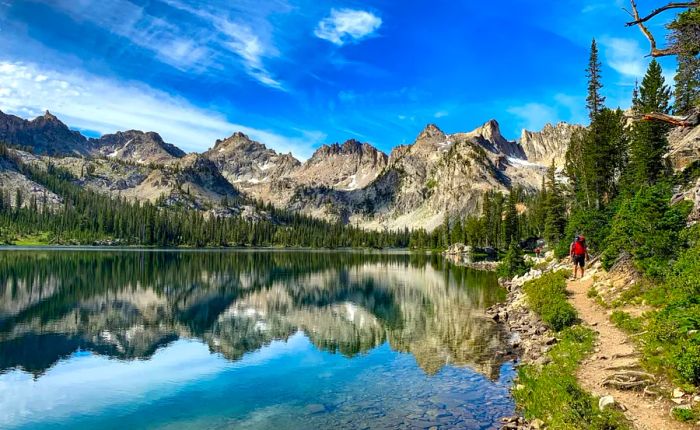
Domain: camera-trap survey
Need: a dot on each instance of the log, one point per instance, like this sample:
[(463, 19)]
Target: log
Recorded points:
[(669, 119)]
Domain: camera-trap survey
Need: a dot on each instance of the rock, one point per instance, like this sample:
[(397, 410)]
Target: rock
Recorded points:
[(677, 392), (606, 401), (315, 408), (537, 424)]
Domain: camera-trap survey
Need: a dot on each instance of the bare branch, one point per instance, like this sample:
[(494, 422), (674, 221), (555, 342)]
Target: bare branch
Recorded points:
[(655, 52), (668, 119), (662, 9)]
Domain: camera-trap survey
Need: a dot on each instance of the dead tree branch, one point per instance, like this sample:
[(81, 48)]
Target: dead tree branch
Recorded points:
[(663, 9), (639, 21), (673, 120)]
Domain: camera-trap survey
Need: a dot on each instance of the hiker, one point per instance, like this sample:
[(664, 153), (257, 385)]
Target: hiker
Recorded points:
[(538, 252), (578, 252)]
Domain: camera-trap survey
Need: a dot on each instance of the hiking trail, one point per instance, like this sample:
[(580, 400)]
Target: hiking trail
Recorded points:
[(616, 354)]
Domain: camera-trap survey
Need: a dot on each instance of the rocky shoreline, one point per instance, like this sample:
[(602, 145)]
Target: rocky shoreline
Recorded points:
[(529, 338)]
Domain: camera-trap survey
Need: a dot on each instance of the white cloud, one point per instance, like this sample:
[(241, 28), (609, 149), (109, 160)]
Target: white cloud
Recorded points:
[(441, 114), (347, 25), (93, 103), (186, 44), (625, 56), (533, 116)]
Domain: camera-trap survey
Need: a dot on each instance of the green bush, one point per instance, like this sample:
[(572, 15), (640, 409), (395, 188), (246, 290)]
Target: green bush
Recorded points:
[(684, 415), (593, 224), (673, 337), (547, 297), (626, 322), (648, 228), (513, 263), (688, 363)]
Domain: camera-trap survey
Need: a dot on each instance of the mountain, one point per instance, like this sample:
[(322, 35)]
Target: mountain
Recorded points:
[(45, 134), (246, 162), (137, 146), (349, 166), (438, 174), (548, 145), (416, 185)]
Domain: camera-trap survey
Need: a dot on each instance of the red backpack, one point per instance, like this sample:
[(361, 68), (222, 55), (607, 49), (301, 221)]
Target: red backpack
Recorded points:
[(579, 248)]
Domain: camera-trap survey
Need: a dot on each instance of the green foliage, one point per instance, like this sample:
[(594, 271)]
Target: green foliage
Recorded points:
[(684, 36), (546, 296), (684, 415), (554, 208), (648, 228), (553, 394), (648, 142), (513, 263), (672, 343), (626, 322), (594, 101), (592, 223), (595, 159)]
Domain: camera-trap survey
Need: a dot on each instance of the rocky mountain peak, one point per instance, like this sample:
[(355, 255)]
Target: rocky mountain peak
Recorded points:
[(137, 146), (45, 134), (548, 145), (349, 147), (489, 135), (48, 116), (238, 141), (431, 132)]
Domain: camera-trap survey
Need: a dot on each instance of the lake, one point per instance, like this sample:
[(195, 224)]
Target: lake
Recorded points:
[(259, 339)]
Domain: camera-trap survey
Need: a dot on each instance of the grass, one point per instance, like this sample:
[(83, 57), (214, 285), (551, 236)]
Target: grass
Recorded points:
[(684, 415), (546, 296), (626, 322), (552, 394), (43, 238)]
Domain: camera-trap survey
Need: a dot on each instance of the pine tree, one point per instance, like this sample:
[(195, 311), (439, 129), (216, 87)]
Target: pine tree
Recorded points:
[(685, 37), (555, 209), (648, 138), (510, 223), (595, 101)]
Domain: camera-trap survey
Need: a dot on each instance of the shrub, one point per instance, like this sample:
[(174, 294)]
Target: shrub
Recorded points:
[(648, 228), (547, 297), (626, 322), (684, 415), (673, 337), (688, 363), (513, 263)]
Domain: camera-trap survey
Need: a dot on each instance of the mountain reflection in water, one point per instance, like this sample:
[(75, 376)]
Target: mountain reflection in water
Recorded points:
[(128, 304)]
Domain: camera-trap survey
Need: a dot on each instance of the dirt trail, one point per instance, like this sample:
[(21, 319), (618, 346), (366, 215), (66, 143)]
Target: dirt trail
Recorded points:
[(615, 351)]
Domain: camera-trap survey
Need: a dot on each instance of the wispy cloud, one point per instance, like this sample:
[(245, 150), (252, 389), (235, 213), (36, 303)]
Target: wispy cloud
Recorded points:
[(88, 102), (347, 25), (203, 41), (562, 107), (625, 56), (533, 116), (441, 114)]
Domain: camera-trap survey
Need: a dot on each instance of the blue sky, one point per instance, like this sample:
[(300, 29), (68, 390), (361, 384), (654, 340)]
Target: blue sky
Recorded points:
[(295, 74)]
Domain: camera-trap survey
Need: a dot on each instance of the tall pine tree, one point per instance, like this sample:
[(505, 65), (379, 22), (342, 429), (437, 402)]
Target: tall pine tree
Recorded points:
[(595, 101), (648, 141), (555, 209), (685, 37)]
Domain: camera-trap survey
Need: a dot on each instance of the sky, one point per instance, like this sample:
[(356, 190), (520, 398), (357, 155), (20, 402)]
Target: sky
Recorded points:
[(296, 74)]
